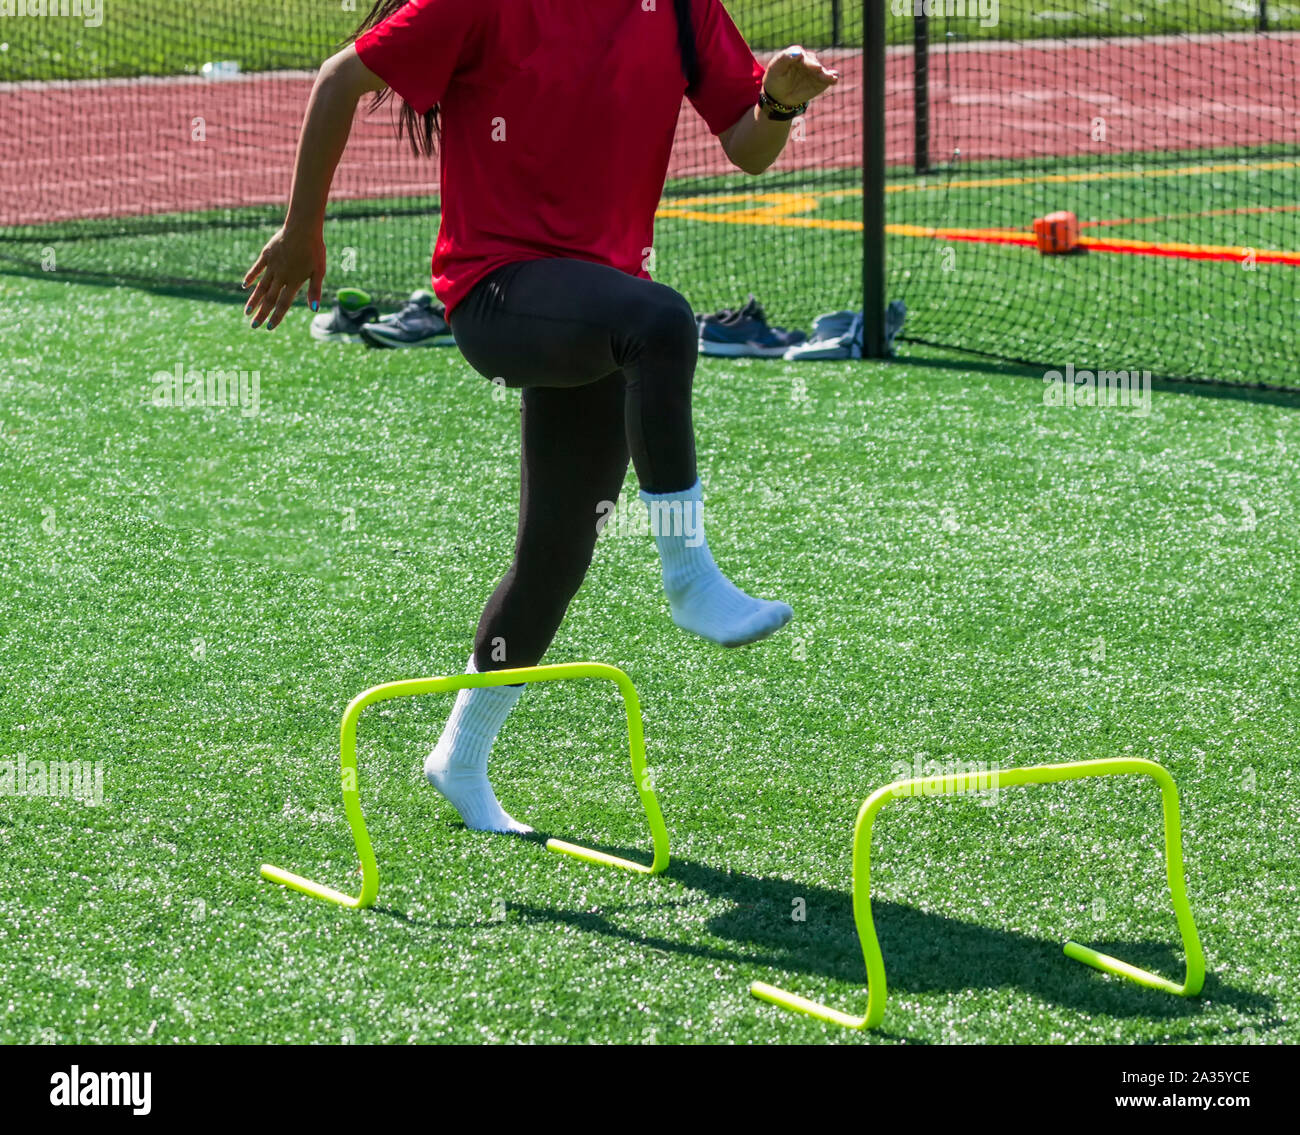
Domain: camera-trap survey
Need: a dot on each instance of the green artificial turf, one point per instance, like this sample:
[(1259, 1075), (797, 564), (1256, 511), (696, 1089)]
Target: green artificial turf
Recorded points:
[(156, 37), (191, 596), (1218, 320), (1176, 316)]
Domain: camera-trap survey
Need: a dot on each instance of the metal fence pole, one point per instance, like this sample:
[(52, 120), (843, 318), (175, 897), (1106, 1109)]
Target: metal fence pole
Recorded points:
[(873, 179)]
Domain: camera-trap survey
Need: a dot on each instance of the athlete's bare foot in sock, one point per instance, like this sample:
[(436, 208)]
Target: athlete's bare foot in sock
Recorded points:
[(702, 599), (457, 767)]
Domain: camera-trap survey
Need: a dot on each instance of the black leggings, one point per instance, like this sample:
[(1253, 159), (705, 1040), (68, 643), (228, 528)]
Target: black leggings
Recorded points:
[(606, 362)]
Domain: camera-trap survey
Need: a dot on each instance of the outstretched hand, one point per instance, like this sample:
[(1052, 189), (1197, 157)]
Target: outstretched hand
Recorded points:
[(290, 258), (796, 76)]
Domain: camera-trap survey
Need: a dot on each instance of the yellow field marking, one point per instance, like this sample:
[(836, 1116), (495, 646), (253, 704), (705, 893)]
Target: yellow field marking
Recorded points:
[(776, 209), (789, 210), (1102, 175)]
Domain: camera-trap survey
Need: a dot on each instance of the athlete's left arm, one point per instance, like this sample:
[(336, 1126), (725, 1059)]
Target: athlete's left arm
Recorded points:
[(793, 77)]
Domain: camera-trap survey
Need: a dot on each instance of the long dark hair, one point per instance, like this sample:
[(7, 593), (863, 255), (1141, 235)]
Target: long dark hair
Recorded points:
[(686, 42), (423, 130)]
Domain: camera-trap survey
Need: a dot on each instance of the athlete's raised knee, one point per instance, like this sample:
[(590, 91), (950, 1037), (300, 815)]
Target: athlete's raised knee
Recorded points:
[(665, 324)]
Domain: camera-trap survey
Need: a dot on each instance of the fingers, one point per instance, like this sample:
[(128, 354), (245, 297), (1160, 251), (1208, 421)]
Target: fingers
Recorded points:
[(282, 305), (271, 300), (273, 291), (818, 69), (314, 286), (824, 79), (274, 295), (813, 71), (253, 272), (268, 287), (785, 62), (801, 74)]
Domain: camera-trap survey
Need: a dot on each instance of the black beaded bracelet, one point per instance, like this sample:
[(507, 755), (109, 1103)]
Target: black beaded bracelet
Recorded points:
[(778, 111)]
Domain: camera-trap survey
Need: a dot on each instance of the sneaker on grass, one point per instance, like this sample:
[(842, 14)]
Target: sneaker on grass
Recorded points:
[(421, 323), (745, 333), (722, 315), (352, 308)]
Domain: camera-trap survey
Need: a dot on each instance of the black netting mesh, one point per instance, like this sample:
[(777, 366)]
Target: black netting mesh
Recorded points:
[(1166, 127), (1168, 130)]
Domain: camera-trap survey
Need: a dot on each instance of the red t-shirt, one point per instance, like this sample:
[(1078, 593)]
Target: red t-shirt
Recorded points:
[(557, 120)]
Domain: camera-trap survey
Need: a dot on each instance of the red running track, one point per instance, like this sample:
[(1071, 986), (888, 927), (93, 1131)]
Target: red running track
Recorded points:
[(133, 148)]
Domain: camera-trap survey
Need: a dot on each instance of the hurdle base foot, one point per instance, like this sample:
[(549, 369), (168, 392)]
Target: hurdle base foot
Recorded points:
[(797, 1004), (308, 887), (1120, 968), (602, 858)]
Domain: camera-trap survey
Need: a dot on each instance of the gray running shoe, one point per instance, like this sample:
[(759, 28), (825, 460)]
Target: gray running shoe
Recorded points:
[(421, 323), (352, 308), (745, 332)]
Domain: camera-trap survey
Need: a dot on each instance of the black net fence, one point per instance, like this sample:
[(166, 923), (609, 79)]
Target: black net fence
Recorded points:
[(1157, 145), (153, 144), (1155, 141)]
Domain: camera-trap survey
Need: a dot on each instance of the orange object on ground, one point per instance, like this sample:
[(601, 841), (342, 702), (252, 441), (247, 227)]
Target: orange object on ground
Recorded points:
[(1057, 232)]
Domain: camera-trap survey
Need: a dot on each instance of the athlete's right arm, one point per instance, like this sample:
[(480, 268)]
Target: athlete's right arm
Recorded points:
[(296, 253)]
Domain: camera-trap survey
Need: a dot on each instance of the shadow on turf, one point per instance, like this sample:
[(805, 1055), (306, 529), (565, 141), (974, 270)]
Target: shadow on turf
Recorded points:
[(1012, 369), (924, 952), (183, 288), (175, 287)]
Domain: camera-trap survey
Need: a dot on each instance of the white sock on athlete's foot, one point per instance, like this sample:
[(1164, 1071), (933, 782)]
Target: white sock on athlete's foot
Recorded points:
[(457, 767), (702, 599)]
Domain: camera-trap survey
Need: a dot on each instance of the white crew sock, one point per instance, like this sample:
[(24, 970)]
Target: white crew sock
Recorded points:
[(701, 598), (457, 767)]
